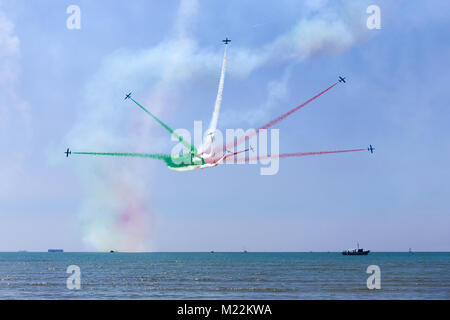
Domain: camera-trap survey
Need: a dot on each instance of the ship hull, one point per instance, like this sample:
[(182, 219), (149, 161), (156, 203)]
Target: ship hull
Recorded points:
[(351, 253)]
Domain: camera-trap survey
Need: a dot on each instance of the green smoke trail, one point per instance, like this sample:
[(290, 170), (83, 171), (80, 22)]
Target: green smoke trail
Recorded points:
[(180, 139), (128, 154), (171, 161)]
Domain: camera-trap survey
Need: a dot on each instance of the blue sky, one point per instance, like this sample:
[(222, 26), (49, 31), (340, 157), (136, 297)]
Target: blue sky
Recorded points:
[(63, 87)]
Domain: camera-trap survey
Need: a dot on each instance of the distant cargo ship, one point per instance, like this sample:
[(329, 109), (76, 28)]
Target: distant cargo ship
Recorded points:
[(356, 252), (55, 250)]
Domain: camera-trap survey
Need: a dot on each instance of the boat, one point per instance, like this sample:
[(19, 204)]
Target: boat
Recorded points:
[(55, 250), (356, 252)]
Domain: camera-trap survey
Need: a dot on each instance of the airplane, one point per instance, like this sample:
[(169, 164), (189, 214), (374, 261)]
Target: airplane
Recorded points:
[(226, 40), (68, 152), (128, 96), (342, 79), (370, 148)]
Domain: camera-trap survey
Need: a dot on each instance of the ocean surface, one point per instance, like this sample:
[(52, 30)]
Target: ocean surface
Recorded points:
[(224, 276)]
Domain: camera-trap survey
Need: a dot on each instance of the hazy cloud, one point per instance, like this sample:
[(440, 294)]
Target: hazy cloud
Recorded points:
[(15, 117)]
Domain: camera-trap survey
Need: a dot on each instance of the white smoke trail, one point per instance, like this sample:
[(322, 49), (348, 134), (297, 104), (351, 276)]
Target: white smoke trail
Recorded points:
[(215, 116)]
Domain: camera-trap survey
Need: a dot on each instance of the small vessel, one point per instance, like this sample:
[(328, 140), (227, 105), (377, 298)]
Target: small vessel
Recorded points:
[(55, 250), (356, 252)]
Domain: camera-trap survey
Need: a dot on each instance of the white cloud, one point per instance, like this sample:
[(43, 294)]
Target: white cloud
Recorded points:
[(9, 43), (277, 92)]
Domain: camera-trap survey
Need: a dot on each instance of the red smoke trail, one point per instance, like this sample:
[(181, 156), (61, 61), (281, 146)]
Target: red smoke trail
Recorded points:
[(287, 114), (303, 154), (235, 153), (222, 159), (238, 141)]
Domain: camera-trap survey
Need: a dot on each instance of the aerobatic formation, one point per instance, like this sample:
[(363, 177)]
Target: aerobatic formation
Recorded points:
[(208, 155)]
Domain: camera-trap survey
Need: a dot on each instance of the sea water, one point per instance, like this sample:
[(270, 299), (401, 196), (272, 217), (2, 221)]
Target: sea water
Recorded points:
[(27, 275)]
